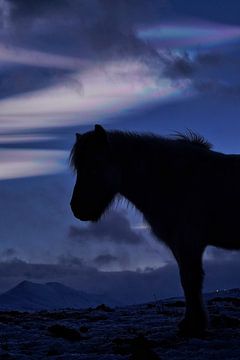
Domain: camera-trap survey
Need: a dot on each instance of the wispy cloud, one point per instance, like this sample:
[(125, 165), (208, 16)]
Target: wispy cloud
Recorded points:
[(18, 55), (20, 163), (24, 138), (189, 34), (96, 93), (113, 228)]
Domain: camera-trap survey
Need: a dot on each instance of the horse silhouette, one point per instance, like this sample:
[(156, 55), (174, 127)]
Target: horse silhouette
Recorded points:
[(188, 193)]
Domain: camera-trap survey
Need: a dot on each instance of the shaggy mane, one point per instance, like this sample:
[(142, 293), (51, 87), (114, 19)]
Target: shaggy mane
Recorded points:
[(73, 157), (193, 138), (189, 137)]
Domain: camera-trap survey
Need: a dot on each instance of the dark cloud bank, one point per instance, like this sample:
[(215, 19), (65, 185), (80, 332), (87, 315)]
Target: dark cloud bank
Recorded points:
[(82, 27), (102, 30), (127, 286), (115, 227), (95, 30)]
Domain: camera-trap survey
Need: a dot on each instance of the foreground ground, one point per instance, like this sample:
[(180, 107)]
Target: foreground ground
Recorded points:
[(136, 332)]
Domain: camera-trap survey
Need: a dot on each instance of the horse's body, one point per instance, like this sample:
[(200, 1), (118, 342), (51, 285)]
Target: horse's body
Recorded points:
[(189, 194)]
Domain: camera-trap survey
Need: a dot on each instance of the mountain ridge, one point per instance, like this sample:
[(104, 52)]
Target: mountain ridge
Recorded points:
[(32, 296)]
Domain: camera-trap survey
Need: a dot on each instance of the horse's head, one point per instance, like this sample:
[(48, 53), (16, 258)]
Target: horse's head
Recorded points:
[(97, 175)]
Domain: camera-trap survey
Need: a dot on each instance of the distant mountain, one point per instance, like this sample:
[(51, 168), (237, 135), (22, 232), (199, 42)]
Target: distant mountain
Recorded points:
[(30, 296), (34, 296)]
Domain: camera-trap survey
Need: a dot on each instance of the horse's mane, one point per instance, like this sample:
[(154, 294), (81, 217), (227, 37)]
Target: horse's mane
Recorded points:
[(73, 157), (189, 138), (181, 139), (194, 138)]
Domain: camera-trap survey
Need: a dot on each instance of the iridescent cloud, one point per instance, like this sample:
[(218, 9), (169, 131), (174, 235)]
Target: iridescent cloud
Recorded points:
[(20, 163), (23, 138), (17, 55), (189, 34), (96, 93)]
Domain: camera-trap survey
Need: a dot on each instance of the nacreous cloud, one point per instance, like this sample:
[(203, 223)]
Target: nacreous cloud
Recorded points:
[(189, 34), (98, 92), (20, 163)]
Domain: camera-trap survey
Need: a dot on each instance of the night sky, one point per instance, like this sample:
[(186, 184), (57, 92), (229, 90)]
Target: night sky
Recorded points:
[(154, 65)]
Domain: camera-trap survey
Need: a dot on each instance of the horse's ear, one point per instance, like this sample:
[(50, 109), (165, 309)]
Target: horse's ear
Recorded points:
[(100, 133), (78, 136)]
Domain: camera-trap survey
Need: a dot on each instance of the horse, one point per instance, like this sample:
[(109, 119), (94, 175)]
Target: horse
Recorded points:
[(188, 193)]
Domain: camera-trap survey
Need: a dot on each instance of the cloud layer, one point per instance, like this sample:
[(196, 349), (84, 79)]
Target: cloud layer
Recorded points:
[(115, 227), (126, 286)]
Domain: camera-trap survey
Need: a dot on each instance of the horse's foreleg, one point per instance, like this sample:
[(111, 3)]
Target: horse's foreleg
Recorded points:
[(191, 274)]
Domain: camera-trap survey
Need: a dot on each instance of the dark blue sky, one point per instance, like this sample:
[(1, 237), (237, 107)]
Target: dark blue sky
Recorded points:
[(158, 66)]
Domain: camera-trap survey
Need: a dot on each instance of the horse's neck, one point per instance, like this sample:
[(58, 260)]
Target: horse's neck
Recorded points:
[(133, 185), (139, 166)]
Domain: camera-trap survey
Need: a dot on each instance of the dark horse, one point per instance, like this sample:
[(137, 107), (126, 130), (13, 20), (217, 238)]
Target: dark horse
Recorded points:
[(188, 193)]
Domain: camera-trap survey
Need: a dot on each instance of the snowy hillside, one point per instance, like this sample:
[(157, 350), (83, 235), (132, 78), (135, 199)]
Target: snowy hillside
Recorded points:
[(28, 296), (138, 332)]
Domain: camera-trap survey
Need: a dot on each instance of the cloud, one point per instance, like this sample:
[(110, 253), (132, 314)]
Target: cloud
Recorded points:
[(179, 66), (192, 65), (218, 88), (20, 268), (126, 286), (103, 30), (97, 32), (190, 34), (207, 72), (115, 227), (105, 259), (65, 35), (8, 253), (43, 59), (211, 58), (122, 12), (20, 163), (116, 261), (25, 9), (5, 11), (217, 255), (104, 25), (22, 79), (98, 92), (71, 261)]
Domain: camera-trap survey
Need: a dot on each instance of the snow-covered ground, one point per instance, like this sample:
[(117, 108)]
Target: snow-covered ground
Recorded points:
[(147, 331)]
